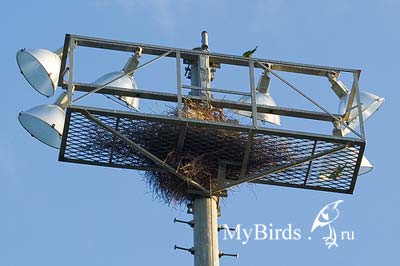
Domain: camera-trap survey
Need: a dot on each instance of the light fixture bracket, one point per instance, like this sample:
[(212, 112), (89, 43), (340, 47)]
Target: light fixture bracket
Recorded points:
[(263, 83), (338, 86), (133, 62)]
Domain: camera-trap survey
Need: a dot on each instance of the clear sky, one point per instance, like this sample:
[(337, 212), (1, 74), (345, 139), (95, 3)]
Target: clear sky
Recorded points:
[(54, 213)]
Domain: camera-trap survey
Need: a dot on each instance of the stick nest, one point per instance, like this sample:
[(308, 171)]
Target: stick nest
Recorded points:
[(198, 157)]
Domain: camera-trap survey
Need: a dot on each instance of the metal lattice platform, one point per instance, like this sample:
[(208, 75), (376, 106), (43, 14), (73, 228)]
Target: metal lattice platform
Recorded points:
[(291, 159)]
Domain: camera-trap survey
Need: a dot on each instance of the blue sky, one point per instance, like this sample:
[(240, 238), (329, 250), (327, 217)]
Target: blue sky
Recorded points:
[(54, 213)]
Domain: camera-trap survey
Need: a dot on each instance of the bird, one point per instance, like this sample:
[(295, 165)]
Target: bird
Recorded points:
[(338, 172), (250, 53), (326, 216)]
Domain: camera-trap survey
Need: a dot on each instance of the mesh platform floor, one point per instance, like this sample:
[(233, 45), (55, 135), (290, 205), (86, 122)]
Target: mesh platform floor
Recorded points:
[(84, 141)]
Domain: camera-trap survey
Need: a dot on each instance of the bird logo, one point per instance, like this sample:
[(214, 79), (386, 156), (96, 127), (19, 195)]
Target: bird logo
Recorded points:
[(249, 53), (325, 217)]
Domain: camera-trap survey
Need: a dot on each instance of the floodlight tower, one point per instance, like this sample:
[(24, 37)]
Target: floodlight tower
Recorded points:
[(241, 153)]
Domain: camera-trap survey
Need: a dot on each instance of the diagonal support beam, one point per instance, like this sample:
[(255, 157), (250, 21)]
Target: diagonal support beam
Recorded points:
[(130, 72), (334, 117), (145, 152), (281, 168)]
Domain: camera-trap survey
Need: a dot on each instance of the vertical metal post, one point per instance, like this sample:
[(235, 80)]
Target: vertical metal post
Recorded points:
[(253, 93), (71, 52), (360, 115), (179, 82), (205, 231), (194, 78)]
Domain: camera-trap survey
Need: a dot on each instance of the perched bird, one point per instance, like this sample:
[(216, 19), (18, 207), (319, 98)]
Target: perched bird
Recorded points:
[(250, 52), (338, 172)]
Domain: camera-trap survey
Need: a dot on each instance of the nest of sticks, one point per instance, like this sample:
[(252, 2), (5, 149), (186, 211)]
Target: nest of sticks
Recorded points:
[(200, 155)]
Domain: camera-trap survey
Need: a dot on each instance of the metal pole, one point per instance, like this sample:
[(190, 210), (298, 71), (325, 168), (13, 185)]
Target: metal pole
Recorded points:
[(71, 51), (205, 209), (253, 94), (179, 82), (205, 231), (200, 70)]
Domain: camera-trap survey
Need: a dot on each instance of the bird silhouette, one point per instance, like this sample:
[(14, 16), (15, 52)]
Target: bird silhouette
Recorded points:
[(325, 217), (337, 172), (250, 53)]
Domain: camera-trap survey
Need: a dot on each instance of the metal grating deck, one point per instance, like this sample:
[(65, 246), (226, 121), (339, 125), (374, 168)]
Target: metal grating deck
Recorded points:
[(84, 141)]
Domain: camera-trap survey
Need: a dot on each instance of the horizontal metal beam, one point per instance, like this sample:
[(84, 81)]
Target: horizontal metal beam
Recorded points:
[(171, 97), (212, 124), (107, 164), (215, 58), (217, 90), (327, 189)]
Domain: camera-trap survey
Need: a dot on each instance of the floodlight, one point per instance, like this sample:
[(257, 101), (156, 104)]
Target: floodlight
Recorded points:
[(40, 68), (365, 166), (262, 98), (370, 103), (46, 122), (126, 81)]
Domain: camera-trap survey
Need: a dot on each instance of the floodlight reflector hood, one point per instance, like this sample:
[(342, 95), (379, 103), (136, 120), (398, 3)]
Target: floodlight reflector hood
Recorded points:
[(46, 122), (261, 99), (41, 69), (370, 103), (365, 166), (126, 82)]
